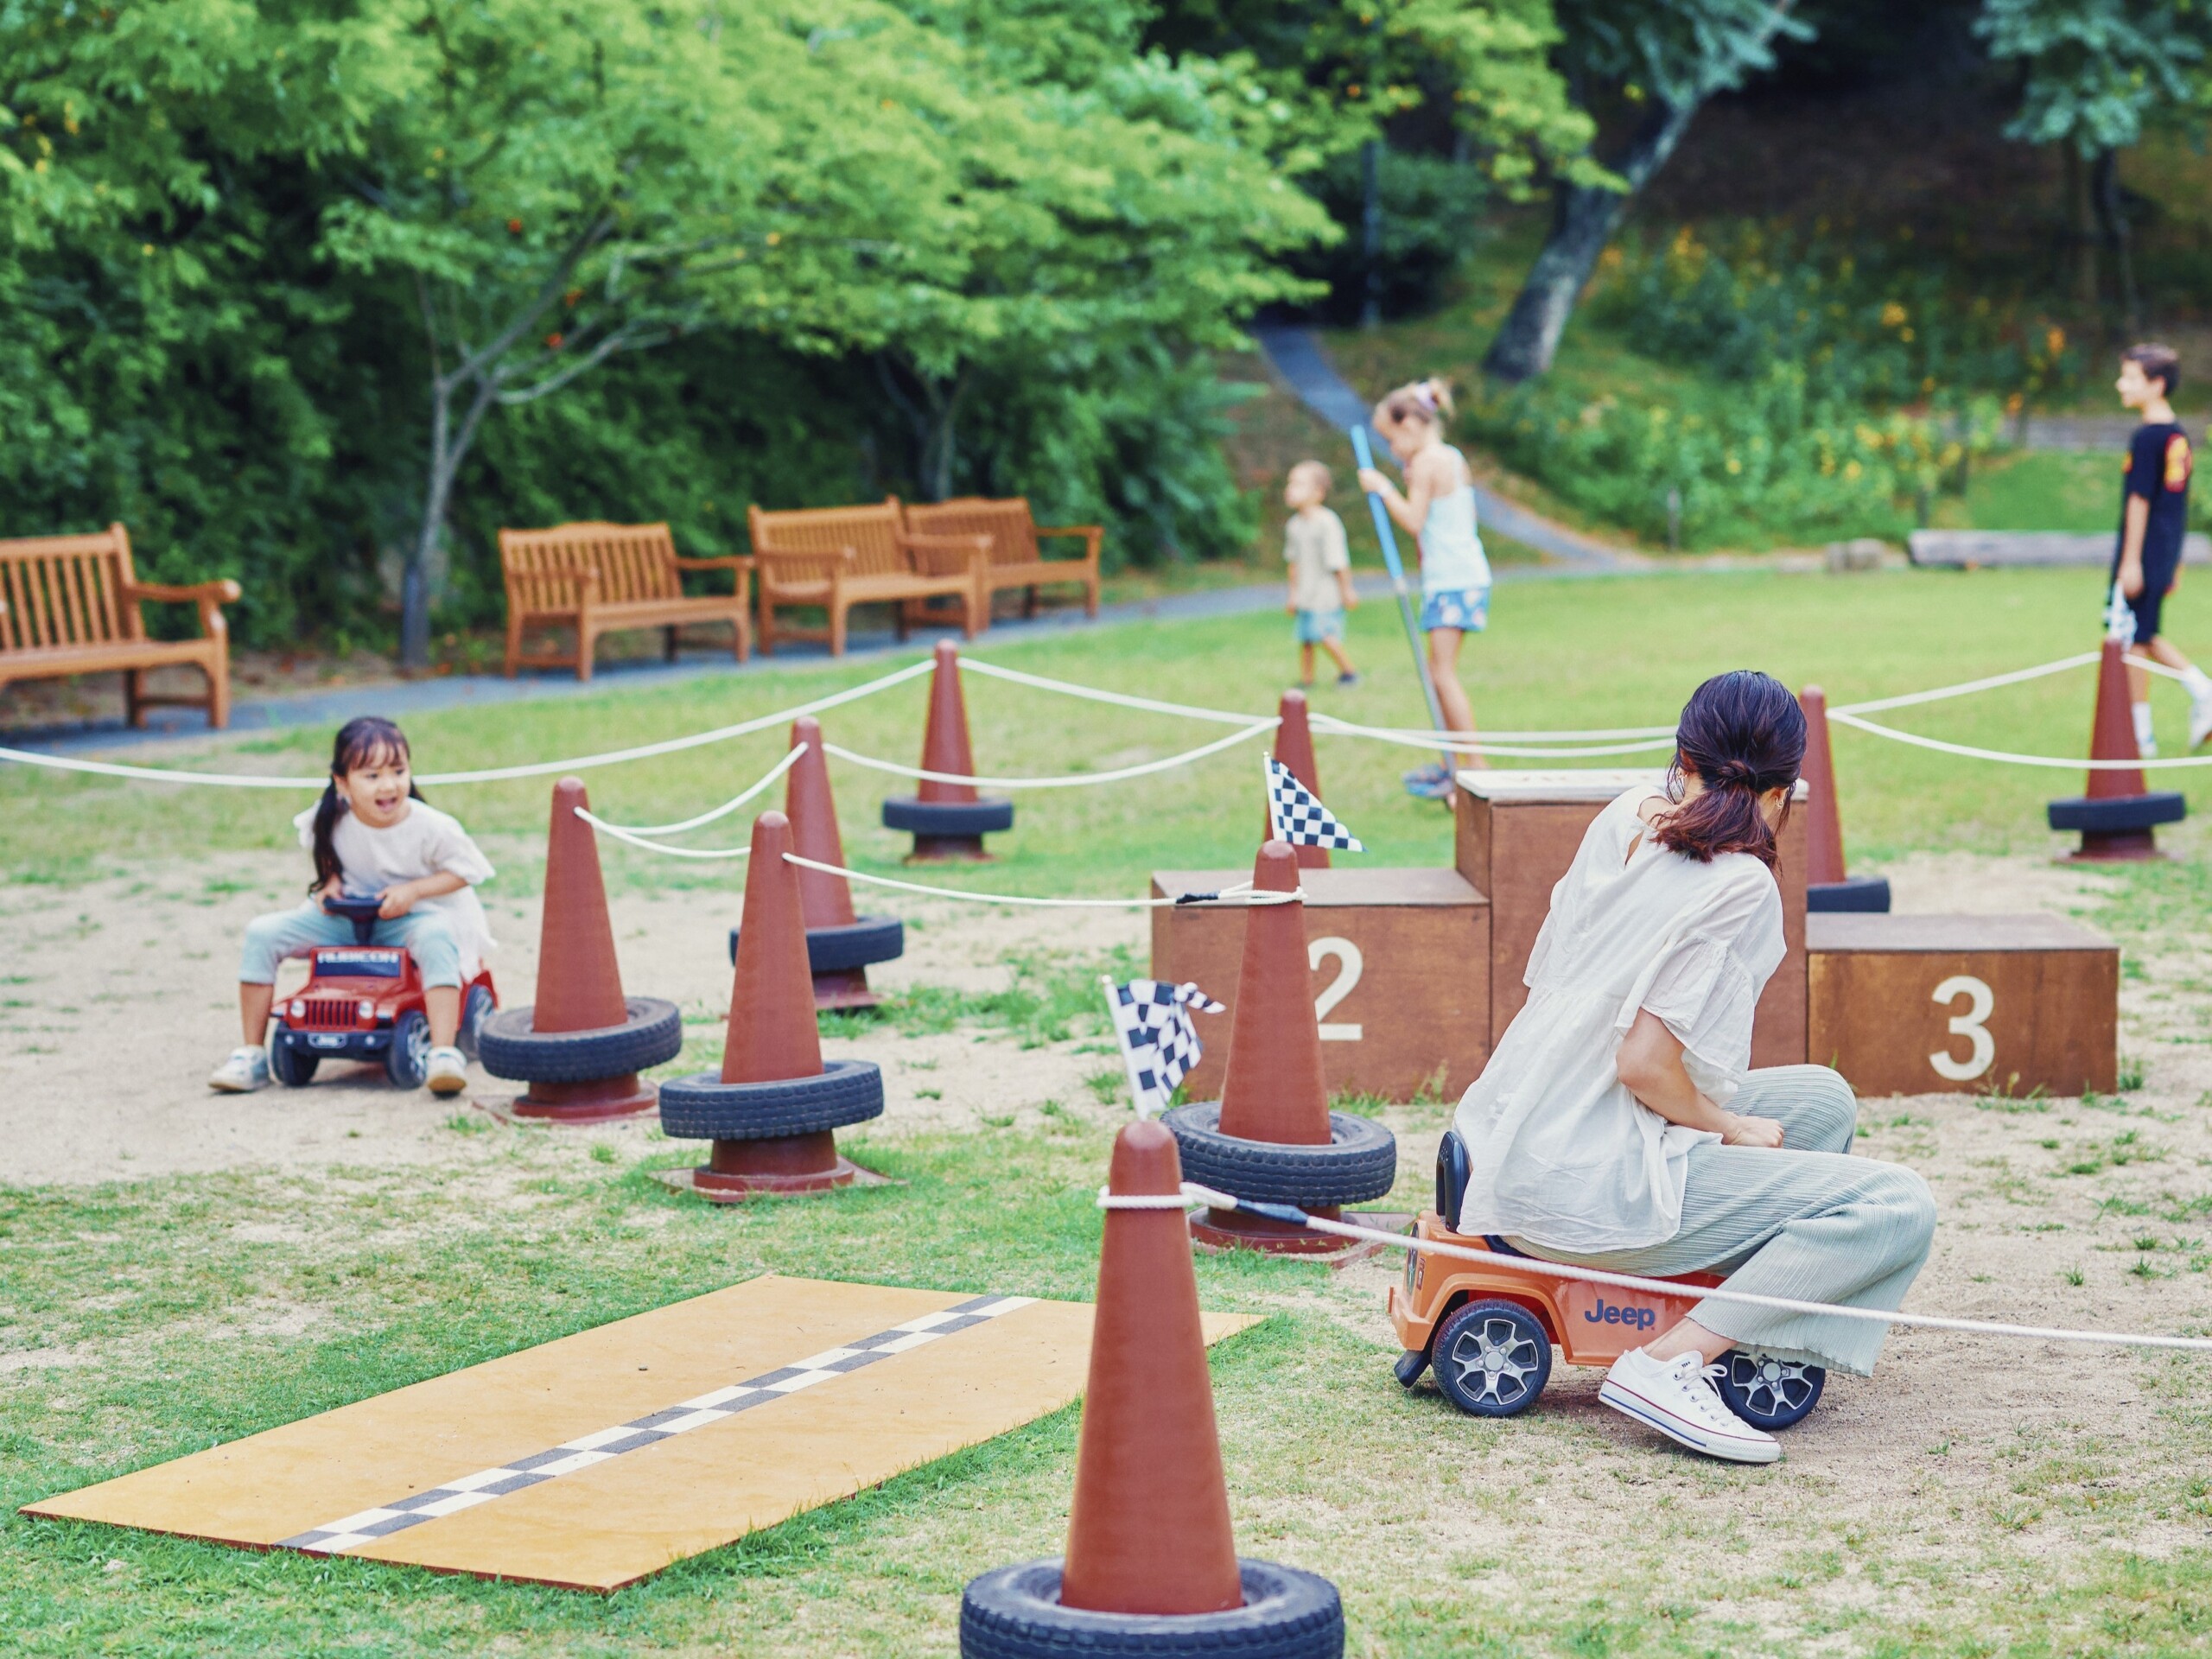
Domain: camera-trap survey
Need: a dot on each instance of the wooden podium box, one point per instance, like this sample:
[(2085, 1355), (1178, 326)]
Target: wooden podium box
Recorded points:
[(1400, 961), (1917, 1004), (1515, 833)]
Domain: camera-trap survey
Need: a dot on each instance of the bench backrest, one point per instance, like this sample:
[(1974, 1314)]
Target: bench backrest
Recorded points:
[(873, 533), (67, 590), (633, 561), (1007, 523)]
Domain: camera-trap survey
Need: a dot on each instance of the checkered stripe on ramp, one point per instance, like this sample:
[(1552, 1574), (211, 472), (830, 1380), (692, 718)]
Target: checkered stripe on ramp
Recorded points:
[(349, 1532)]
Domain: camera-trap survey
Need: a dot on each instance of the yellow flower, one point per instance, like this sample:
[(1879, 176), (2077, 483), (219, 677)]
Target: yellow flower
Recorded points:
[(1851, 470), (1734, 465), (1892, 314), (1904, 334), (2054, 341)]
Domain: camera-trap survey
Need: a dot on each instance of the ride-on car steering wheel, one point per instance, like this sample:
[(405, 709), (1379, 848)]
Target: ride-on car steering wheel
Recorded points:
[(362, 912)]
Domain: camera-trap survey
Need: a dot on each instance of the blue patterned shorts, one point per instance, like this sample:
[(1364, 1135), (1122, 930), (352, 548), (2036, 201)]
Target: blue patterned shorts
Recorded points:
[(1314, 626), (1466, 609)]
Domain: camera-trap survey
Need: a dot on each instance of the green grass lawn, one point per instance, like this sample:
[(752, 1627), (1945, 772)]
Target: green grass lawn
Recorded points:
[(193, 1310)]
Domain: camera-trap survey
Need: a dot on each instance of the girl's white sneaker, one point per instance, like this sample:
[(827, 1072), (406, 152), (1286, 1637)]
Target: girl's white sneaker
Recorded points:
[(1676, 1397), (448, 1072), (246, 1070)]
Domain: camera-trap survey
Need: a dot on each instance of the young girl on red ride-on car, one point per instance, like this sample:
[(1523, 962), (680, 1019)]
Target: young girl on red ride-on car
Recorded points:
[(373, 835)]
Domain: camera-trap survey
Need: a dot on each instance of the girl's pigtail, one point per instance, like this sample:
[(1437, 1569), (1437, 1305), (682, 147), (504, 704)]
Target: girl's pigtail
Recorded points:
[(1724, 818), (325, 848)]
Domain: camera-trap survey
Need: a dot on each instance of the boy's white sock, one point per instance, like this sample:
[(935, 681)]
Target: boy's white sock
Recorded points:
[(2198, 681), (2144, 739)]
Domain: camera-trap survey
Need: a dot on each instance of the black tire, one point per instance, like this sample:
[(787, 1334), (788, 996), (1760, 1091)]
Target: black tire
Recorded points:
[(2120, 813), (476, 1007), (920, 817), (701, 1107), (289, 1063), (510, 1049), (407, 1062), (855, 944), (1491, 1359), (1855, 894), (1360, 1161), (1769, 1393), (1015, 1612)]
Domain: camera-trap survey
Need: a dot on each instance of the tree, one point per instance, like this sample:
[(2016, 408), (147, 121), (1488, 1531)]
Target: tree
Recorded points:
[(2094, 73), (1650, 66)]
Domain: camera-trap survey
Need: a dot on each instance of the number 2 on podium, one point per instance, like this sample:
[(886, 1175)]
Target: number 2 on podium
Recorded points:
[(1350, 965), (1979, 1001)]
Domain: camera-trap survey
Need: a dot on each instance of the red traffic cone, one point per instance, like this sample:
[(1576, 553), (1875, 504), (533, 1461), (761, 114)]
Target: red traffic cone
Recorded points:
[(773, 1109), (1272, 1094), (1149, 1534), (840, 945), (579, 990), (1149, 1530), (948, 821), (1293, 746), (1827, 886), (2115, 814)]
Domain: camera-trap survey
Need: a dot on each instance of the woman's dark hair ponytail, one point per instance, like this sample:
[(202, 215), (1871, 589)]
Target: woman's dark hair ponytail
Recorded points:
[(1743, 734), (361, 742)]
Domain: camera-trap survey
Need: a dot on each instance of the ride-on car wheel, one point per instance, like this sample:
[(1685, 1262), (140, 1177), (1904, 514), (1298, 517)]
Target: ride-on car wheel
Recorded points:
[(1491, 1359), (474, 1011), (1769, 1393), (290, 1063), (407, 1062)]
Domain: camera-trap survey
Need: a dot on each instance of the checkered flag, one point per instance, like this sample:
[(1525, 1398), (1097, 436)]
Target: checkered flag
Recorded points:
[(1298, 815), (1158, 1044)]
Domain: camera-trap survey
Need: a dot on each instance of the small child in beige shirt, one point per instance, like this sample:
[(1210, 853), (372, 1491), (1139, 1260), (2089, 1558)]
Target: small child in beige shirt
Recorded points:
[(1320, 572)]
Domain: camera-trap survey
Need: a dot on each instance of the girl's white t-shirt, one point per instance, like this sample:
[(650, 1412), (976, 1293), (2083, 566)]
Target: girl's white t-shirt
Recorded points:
[(1563, 1155), (425, 842)]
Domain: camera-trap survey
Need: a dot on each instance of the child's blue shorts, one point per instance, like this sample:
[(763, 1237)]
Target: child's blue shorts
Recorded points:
[(1314, 626), (1466, 609)]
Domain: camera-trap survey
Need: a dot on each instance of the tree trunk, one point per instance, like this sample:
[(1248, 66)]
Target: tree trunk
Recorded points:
[(2111, 223), (1584, 220), (1370, 233), (2082, 231)]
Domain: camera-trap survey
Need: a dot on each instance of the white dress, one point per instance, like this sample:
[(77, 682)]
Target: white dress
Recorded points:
[(425, 842), (1562, 1155)]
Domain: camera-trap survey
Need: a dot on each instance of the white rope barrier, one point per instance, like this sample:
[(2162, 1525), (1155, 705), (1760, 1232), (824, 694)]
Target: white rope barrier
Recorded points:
[(1240, 895), (635, 840), (1093, 694), (2054, 762), (1194, 1193), (1966, 688), (629, 831), (1073, 780), (483, 775), (1330, 726)]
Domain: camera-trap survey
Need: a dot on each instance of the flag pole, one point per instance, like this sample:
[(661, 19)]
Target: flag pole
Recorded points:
[(1387, 536)]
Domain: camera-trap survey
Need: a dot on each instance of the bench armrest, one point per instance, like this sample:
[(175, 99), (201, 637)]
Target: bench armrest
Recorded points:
[(209, 596), (738, 565), (1091, 534), (936, 555)]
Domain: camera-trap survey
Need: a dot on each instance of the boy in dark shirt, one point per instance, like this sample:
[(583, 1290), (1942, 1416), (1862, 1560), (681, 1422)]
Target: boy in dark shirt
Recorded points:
[(2154, 516)]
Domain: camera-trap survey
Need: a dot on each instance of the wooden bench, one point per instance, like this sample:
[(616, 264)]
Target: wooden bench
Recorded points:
[(1015, 560), (70, 605), (838, 557), (599, 579)]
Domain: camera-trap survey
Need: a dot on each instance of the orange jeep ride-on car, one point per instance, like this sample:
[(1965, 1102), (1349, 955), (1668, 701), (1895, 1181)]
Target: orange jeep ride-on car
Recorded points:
[(363, 1001), (1489, 1331)]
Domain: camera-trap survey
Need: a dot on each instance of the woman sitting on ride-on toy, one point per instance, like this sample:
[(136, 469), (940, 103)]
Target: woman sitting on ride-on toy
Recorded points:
[(1618, 1125), (372, 835)]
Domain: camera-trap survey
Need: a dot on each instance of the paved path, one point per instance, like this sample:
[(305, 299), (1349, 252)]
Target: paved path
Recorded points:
[(1298, 357)]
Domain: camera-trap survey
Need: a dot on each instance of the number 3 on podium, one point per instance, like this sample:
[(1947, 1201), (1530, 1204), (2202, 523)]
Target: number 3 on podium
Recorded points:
[(1979, 1001)]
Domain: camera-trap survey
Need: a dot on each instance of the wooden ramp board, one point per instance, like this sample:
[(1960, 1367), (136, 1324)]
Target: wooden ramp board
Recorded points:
[(596, 1460)]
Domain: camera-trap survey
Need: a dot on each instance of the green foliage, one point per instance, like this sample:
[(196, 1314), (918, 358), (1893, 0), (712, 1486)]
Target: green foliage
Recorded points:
[(2097, 71), (1831, 391), (1432, 209)]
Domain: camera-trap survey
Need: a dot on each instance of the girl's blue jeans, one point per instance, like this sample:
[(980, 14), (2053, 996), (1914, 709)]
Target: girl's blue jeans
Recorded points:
[(281, 933)]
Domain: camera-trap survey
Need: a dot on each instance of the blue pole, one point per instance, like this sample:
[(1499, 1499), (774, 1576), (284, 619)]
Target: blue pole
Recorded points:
[(1387, 535)]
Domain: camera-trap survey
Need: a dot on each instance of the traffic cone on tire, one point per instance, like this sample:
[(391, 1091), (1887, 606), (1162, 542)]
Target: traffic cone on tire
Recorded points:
[(840, 945), (581, 1045), (1151, 1552), (2116, 813), (1293, 746), (1827, 887), (1272, 1135), (772, 1110), (947, 820)]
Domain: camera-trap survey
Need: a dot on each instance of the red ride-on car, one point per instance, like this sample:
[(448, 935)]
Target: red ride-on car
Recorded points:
[(363, 1001)]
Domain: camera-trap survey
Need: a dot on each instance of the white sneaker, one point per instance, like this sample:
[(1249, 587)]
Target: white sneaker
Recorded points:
[(1676, 1397), (2200, 721), (448, 1073), (246, 1070)]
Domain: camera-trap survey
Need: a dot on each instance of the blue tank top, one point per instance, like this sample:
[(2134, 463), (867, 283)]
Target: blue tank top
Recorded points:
[(1452, 558)]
